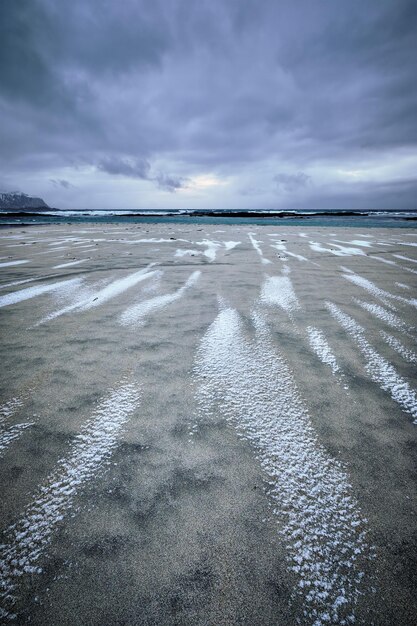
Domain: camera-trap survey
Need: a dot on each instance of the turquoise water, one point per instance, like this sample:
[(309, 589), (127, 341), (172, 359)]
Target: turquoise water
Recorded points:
[(380, 219)]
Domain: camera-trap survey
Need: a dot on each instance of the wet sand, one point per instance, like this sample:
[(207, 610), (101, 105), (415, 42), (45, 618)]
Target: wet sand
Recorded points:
[(208, 425)]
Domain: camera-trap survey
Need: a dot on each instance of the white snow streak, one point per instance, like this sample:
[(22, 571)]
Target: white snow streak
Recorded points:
[(320, 346), (395, 344), (32, 292), (386, 316), (181, 252), (404, 258), (17, 282), (8, 263), (343, 250), (71, 263), (136, 314), (401, 267), (9, 408), (318, 515), (258, 249), (278, 290), (97, 298), (379, 369), (10, 434), (381, 294), (27, 540)]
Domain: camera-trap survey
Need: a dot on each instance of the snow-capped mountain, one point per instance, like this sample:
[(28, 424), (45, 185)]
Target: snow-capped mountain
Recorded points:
[(18, 200)]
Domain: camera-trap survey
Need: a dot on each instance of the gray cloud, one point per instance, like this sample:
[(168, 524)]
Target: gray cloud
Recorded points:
[(131, 167), (221, 86), (60, 182), (169, 183), (141, 169), (292, 182)]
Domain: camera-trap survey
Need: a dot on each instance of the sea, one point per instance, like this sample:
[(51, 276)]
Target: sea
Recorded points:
[(367, 218)]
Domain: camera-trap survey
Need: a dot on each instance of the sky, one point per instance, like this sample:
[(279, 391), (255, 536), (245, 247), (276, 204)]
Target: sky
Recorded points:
[(262, 104)]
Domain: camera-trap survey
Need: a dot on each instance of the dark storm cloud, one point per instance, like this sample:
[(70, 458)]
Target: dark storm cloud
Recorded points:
[(220, 86), (130, 167), (141, 169)]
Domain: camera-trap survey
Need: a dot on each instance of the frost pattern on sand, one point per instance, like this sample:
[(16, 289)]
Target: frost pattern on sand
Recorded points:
[(8, 263), (404, 258), (32, 292), (189, 252), (9, 408), (17, 282), (386, 316), (278, 290), (258, 249), (26, 541), (381, 294), (211, 248), (388, 262), (299, 257), (343, 250), (356, 242), (320, 346), (395, 344), (379, 369), (10, 434), (318, 515), (70, 264), (136, 314), (97, 298)]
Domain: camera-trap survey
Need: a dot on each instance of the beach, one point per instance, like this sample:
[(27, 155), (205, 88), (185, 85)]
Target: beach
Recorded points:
[(208, 424)]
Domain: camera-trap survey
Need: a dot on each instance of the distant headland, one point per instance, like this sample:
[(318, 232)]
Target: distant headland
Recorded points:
[(19, 200)]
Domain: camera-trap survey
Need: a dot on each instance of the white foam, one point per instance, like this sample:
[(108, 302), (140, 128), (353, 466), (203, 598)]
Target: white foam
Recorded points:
[(10, 263), (33, 292), (395, 344), (379, 369), (26, 541), (70, 264), (317, 513), (137, 313), (403, 286), (279, 291), (321, 347)]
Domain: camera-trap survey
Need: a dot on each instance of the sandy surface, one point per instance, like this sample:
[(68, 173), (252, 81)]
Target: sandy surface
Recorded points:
[(208, 425)]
